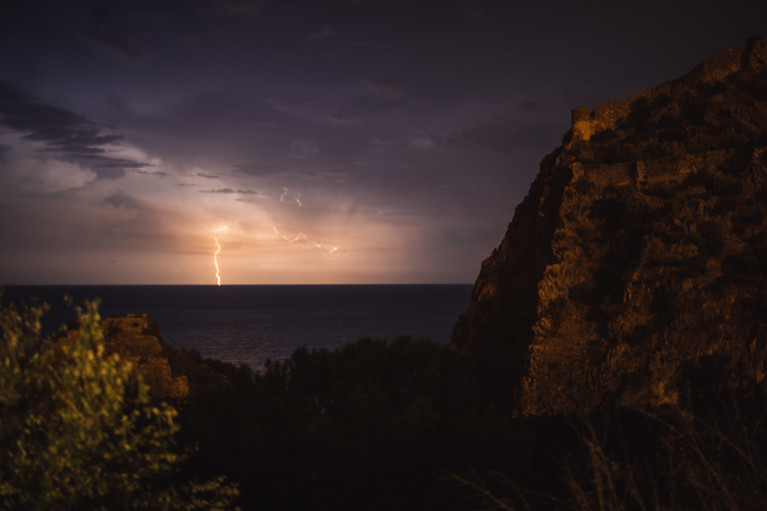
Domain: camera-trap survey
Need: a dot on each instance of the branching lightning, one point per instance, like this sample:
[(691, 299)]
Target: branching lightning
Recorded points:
[(301, 238), (296, 198), (218, 250)]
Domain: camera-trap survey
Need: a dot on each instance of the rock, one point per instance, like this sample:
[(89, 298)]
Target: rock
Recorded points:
[(134, 341), (639, 254)]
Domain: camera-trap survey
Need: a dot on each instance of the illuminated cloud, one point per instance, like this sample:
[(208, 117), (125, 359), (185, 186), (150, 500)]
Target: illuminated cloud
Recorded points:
[(49, 175), (229, 191), (26, 169), (401, 132)]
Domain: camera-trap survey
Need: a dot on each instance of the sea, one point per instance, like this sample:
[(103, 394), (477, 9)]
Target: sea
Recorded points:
[(251, 324)]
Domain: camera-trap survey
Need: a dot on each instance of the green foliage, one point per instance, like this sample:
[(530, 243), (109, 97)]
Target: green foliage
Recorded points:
[(78, 429)]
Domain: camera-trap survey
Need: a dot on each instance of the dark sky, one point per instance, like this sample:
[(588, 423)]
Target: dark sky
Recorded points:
[(339, 141)]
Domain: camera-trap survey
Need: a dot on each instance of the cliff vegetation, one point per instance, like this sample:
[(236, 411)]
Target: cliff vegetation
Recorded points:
[(79, 429)]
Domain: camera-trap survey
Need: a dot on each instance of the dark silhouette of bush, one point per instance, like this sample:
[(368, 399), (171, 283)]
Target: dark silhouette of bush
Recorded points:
[(708, 453), (373, 425)]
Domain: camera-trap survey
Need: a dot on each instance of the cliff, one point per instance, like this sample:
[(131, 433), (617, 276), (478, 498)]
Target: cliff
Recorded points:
[(136, 341), (635, 267)]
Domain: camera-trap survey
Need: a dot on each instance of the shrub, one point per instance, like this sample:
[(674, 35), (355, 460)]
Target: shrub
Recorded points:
[(78, 429)]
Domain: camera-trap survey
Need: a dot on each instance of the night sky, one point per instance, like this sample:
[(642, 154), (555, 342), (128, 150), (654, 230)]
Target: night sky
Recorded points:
[(339, 141)]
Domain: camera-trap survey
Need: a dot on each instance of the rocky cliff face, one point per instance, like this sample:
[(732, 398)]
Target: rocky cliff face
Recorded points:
[(134, 341), (638, 259)]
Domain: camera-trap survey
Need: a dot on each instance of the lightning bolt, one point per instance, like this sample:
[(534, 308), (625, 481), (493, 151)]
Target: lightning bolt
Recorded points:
[(218, 251), (301, 238), (296, 197)]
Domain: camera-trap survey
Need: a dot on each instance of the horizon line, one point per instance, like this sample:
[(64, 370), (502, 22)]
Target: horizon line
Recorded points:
[(242, 285)]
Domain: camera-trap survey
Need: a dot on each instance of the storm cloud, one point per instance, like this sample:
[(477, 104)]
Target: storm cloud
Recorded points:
[(404, 133), (64, 133)]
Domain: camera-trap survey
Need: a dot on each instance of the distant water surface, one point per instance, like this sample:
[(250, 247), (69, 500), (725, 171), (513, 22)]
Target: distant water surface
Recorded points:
[(250, 324)]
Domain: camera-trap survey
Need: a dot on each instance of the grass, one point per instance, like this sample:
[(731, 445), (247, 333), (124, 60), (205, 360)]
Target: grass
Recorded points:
[(673, 459)]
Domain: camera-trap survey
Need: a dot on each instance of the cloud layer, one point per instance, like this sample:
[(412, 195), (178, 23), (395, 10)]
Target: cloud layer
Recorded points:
[(340, 141)]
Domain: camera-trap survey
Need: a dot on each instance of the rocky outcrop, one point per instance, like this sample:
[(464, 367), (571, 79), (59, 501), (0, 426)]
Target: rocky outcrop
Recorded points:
[(638, 259), (133, 339)]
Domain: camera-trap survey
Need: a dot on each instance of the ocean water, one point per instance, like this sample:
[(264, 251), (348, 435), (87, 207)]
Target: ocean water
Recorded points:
[(250, 324)]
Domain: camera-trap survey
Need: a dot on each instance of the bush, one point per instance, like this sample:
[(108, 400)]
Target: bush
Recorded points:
[(373, 425), (78, 429)]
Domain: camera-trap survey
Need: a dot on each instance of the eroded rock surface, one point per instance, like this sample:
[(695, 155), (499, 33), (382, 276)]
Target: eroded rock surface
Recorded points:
[(133, 339), (638, 259)]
